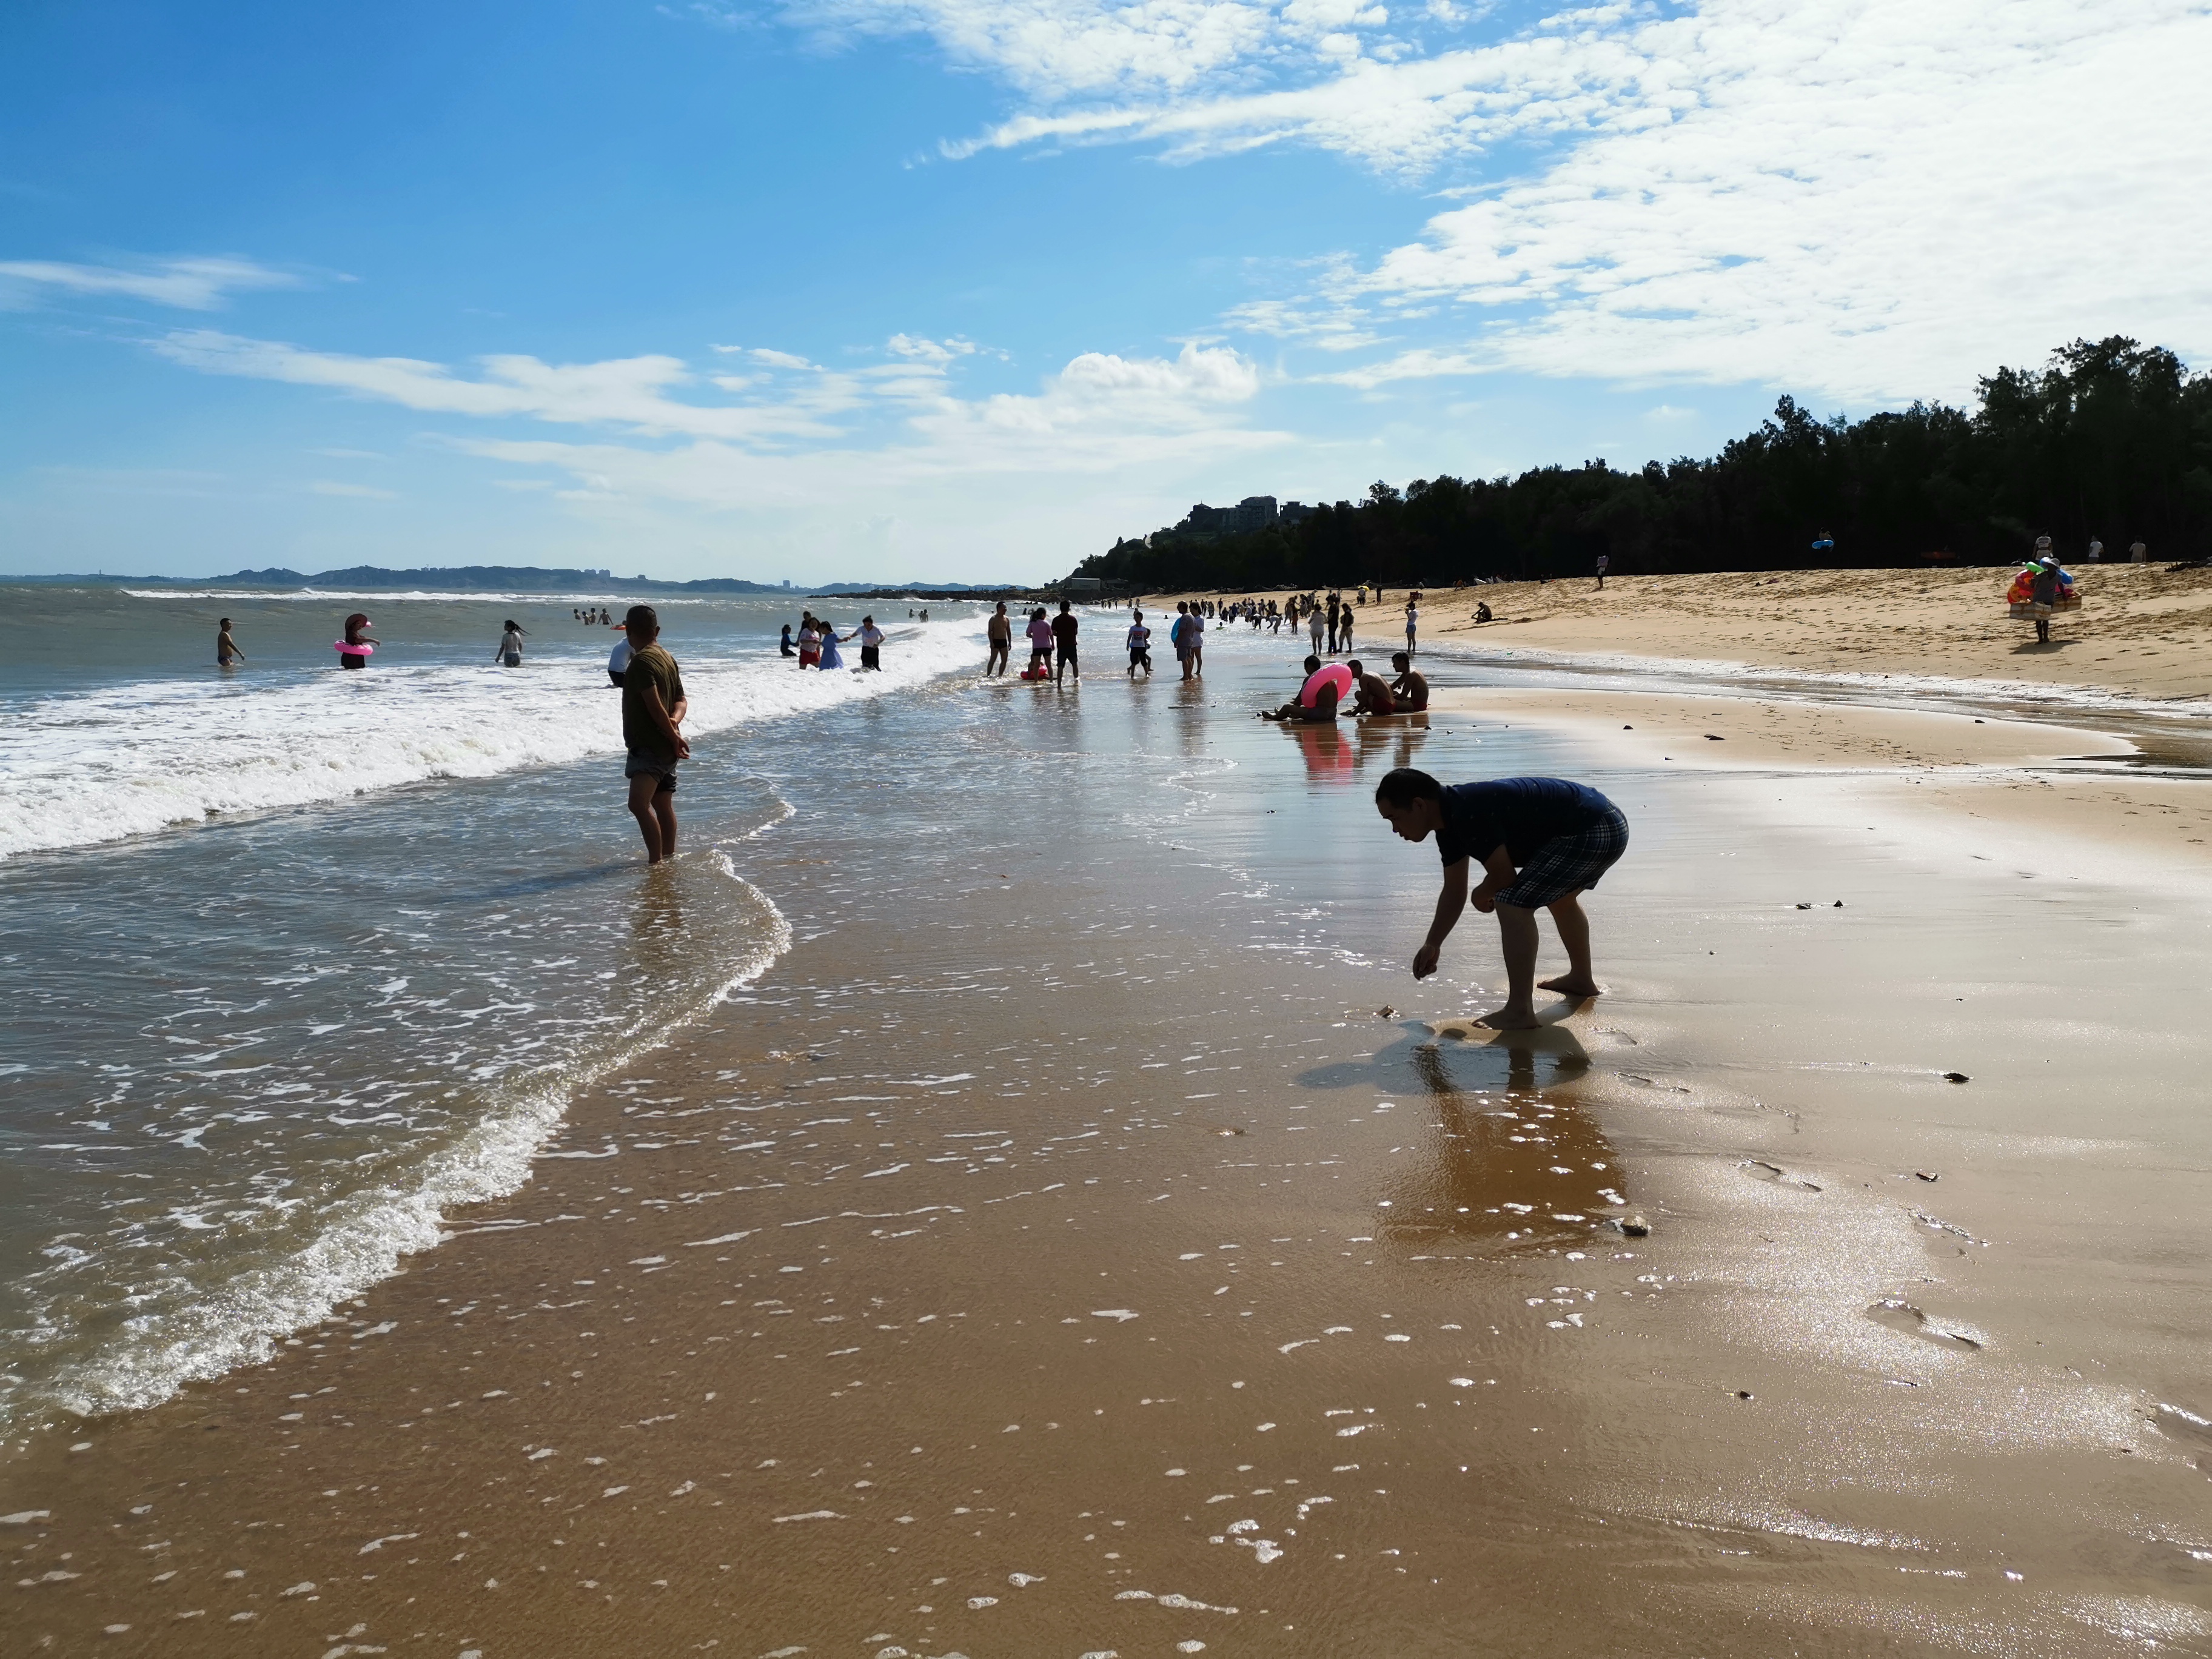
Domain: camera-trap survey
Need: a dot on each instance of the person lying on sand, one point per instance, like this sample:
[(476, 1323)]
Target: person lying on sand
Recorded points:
[(1410, 690), (1317, 698), (1370, 694), (1540, 842)]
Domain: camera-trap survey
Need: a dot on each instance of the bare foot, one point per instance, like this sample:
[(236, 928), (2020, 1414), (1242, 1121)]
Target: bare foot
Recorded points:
[(1572, 985), (1509, 1019)]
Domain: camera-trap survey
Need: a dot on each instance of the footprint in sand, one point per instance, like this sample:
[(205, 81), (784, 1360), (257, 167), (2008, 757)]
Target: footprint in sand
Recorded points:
[(1902, 1315), (1762, 1171)]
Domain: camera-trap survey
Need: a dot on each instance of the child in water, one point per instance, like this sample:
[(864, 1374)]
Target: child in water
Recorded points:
[(355, 649)]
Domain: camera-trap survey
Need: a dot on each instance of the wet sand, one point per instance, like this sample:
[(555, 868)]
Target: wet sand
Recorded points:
[(1089, 1239)]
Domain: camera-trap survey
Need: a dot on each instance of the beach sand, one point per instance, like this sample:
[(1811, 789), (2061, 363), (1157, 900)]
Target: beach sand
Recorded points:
[(2005, 782), (1091, 1239), (2144, 631)]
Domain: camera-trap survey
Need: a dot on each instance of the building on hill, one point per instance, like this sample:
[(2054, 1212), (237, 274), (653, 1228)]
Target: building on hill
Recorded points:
[(1293, 513), (1203, 523), (1252, 512)]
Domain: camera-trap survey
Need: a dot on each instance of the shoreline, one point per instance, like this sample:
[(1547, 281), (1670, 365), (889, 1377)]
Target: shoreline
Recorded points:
[(932, 1294), (1820, 623)]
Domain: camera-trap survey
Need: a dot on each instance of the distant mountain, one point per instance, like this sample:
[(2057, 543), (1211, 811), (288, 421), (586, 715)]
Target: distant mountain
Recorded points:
[(463, 579), (523, 579), (505, 578), (833, 590)]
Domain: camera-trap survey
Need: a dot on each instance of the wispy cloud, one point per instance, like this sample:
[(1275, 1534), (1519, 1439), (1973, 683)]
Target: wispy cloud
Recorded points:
[(1873, 200), (330, 487), (636, 392), (1120, 425), (189, 285), (1060, 48), (1869, 199), (792, 421)]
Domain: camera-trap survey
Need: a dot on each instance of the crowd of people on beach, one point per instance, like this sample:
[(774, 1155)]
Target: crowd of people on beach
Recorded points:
[(1541, 841)]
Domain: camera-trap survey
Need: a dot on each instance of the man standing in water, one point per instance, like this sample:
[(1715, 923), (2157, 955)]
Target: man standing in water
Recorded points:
[(653, 707), (999, 631), (1540, 842), (1063, 635), (226, 648)]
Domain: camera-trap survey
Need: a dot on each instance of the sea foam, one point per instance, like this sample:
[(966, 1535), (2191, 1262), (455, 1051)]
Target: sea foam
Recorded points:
[(131, 760)]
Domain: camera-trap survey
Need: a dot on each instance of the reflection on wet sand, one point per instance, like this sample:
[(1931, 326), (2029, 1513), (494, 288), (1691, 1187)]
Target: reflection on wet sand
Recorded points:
[(1513, 1161), (1327, 754), (1330, 751), (1399, 736)]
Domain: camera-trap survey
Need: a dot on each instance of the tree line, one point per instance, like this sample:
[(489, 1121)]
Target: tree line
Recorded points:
[(2112, 441)]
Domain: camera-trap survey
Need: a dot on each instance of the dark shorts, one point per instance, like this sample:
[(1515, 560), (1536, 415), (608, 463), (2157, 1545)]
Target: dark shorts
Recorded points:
[(868, 659), (1568, 864), (614, 675), (1067, 653), (640, 765), (1140, 656)]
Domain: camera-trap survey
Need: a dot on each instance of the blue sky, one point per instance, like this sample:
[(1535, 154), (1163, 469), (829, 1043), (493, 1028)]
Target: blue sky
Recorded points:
[(963, 289)]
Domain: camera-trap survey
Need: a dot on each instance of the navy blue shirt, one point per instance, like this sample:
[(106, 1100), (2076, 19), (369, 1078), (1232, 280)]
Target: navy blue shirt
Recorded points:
[(1519, 814)]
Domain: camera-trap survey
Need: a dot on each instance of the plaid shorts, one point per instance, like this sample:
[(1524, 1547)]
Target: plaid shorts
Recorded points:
[(1567, 864)]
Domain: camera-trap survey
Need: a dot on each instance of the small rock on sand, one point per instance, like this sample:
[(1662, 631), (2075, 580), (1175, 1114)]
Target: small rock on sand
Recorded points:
[(1955, 1077)]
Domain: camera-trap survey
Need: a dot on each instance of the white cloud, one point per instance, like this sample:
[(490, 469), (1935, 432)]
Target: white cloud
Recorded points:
[(1101, 414), (628, 391), (1866, 198), (931, 351), (799, 429), (1058, 48), (196, 284), (1874, 200)]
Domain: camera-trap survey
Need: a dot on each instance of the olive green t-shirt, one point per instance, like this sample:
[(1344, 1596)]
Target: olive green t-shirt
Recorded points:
[(641, 733)]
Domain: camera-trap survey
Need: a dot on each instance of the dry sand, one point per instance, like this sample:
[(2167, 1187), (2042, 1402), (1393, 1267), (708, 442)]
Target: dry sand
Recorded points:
[(2143, 630), (1977, 776)]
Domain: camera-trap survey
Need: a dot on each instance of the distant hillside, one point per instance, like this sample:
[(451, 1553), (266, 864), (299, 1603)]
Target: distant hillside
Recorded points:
[(501, 578), (513, 579), (836, 590)]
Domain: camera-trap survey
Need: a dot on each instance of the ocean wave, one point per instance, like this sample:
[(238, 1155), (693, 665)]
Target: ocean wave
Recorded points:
[(104, 766), (468, 596), (233, 1311)]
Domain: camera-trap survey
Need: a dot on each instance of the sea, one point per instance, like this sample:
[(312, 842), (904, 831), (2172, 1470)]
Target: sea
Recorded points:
[(300, 959)]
